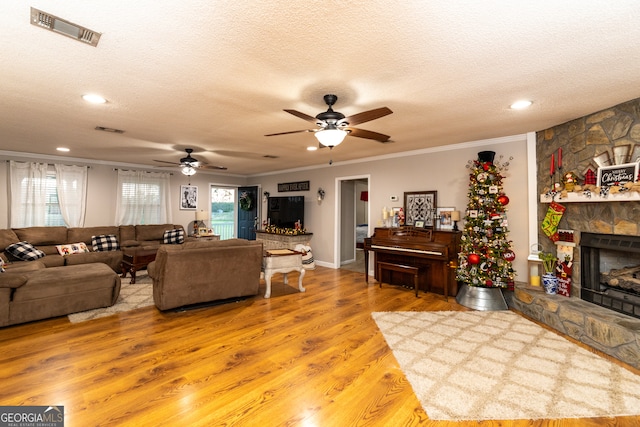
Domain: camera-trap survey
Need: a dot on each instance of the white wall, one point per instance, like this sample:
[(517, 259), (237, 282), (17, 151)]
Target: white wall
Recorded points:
[(101, 190), (441, 169)]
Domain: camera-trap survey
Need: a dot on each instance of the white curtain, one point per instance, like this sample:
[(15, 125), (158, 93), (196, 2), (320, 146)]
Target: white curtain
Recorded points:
[(143, 198), (71, 184), (28, 185)]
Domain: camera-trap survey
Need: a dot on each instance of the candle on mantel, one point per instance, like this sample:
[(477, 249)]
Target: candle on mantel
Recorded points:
[(560, 158), (553, 164)]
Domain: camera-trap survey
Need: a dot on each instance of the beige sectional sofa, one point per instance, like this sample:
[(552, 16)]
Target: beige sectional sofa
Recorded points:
[(205, 271), (56, 285)]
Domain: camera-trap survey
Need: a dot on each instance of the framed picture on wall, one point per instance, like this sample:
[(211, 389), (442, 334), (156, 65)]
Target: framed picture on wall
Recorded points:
[(188, 197), (420, 206), (444, 218)]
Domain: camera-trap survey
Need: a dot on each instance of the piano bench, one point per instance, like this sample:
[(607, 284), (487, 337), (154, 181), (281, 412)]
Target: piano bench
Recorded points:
[(401, 269)]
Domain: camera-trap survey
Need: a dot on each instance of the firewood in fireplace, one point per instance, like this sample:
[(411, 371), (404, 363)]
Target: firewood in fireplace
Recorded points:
[(623, 278)]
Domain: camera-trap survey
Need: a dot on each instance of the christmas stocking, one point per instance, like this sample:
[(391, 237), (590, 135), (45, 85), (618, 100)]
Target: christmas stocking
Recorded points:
[(552, 219)]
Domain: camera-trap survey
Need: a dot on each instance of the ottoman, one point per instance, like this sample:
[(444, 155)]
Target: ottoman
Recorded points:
[(59, 291)]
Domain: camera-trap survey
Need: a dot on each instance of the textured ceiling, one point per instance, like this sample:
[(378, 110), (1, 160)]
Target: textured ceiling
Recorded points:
[(216, 75)]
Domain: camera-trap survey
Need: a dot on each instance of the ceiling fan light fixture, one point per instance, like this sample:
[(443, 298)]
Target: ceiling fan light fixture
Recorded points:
[(331, 137), (188, 170)]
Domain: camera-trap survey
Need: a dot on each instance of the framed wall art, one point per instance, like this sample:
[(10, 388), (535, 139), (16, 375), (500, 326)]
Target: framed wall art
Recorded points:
[(444, 217), (188, 197), (420, 206)]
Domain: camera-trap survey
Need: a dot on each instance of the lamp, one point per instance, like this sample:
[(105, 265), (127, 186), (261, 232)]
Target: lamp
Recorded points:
[(189, 170), (320, 194), (331, 136), (455, 217), (201, 217)]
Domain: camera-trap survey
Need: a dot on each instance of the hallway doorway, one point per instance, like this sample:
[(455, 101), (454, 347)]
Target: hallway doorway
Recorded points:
[(352, 218)]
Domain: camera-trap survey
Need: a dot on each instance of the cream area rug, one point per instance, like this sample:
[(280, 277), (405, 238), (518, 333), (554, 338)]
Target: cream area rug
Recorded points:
[(500, 366), (131, 297)]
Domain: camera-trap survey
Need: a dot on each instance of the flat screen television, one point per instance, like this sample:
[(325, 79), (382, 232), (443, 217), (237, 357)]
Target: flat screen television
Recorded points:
[(285, 211)]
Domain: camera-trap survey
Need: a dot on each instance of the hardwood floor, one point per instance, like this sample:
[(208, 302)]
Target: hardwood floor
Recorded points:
[(297, 359)]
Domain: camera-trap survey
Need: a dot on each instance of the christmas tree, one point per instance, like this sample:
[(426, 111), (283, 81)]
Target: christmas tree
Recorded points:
[(485, 257)]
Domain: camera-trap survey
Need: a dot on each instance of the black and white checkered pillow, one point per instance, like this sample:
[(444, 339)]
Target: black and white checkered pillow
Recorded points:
[(105, 242), (24, 251), (172, 237)]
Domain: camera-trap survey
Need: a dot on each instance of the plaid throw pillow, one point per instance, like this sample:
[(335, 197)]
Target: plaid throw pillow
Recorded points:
[(24, 251), (172, 237), (105, 242)]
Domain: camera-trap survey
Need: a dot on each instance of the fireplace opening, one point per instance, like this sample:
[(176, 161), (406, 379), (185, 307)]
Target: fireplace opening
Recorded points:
[(610, 271)]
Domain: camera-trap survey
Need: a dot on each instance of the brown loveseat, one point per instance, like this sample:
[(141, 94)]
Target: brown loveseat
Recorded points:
[(47, 238), (199, 272)]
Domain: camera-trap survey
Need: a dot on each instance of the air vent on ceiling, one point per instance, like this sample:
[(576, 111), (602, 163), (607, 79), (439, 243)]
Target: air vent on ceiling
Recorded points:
[(66, 28), (106, 129)]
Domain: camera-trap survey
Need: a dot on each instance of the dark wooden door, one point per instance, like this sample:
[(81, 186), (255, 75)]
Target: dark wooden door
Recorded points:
[(247, 216)]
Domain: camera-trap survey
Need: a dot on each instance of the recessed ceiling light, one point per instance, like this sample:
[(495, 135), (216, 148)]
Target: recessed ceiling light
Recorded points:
[(312, 148), (94, 99), (65, 149), (521, 105)]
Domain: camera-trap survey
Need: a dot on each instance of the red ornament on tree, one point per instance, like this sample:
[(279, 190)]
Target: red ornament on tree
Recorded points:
[(509, 255), (473, 258), (503, 200)]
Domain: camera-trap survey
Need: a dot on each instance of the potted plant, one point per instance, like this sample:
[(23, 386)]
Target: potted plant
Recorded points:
[(549, 279)]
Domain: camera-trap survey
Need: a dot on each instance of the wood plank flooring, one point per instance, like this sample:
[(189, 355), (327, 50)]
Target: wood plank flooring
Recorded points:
[(297, 359)]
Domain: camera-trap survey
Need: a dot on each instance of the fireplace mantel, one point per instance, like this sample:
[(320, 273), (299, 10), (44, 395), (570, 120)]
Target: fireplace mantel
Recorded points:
[(593, 198)]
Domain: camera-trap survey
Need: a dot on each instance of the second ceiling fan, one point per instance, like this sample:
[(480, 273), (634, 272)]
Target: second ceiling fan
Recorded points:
[(333, 126)]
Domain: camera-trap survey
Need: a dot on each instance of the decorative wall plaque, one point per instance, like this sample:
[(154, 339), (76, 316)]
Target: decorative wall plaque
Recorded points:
[(294, 186)]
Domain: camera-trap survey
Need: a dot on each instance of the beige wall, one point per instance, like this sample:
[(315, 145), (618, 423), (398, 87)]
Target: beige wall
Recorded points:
[(101, 190), (441, 169)]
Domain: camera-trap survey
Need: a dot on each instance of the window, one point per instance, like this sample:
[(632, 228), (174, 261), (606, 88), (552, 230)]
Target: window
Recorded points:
[(52, 212), (223, 214), (44, 196), (143, 198)]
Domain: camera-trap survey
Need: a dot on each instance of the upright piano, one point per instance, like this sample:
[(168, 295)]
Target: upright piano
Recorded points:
[(434, 252)]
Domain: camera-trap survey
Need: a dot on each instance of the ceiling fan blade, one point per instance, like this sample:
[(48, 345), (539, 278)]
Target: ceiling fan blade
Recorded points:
[(169, 163), (361, 133), (367, 116), (303, 116), (212, 167), (293, 131)]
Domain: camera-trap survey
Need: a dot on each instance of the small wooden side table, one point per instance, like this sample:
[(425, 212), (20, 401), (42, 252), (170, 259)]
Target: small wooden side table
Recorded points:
[(282, 261), (133, 259)]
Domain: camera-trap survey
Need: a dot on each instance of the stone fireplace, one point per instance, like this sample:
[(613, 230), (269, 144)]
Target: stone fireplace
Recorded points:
[(602, 316), (610, 271)]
